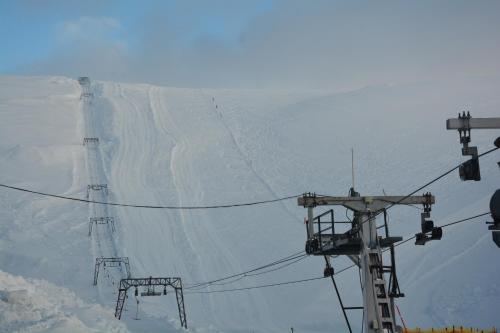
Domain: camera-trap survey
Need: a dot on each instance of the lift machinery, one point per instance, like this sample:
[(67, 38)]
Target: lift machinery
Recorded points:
[(470, 170)]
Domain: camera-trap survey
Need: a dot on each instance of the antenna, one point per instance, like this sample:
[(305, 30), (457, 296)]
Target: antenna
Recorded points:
[(352, 166)]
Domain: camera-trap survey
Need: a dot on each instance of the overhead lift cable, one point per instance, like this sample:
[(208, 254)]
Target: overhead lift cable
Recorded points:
[(257, 287), (425, 185), (446, 225), (439, 177), (210, 206), (323, 277), (280, 267), (292, 257), (151, 206), (201, 287)]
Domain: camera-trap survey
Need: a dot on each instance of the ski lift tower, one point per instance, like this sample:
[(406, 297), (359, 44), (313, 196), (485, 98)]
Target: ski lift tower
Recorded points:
[(364, 246)]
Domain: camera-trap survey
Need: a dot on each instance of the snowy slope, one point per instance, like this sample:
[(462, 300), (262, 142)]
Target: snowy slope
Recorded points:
[(172, 146)]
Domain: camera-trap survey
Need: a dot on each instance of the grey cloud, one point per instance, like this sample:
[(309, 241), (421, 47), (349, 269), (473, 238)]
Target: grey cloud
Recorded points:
[(298, 44)]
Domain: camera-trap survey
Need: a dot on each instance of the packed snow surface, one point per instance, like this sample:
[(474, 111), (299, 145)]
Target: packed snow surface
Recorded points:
[(197, 147)]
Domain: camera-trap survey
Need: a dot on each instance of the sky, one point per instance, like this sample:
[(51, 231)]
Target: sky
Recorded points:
[(282, 44)]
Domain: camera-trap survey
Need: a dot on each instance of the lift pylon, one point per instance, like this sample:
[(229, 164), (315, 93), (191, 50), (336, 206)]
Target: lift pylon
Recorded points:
[(90, 141), (97, 187), (111, 262), (84, 82), (362, 244), (173, 282), (110, 221)]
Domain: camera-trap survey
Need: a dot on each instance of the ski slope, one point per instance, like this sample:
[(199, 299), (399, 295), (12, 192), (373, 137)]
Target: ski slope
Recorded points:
[(177, 146)]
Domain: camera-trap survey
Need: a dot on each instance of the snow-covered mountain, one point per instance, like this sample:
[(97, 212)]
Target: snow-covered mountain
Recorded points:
[(173, 146)]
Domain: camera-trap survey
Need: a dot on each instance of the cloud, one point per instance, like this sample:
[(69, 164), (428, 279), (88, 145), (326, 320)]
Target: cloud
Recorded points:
[(86, 45), (291, 44), (38, 8), (88, 29)]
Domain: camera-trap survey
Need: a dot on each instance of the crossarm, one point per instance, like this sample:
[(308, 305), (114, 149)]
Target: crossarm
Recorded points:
[(366, 203), (464, 123)]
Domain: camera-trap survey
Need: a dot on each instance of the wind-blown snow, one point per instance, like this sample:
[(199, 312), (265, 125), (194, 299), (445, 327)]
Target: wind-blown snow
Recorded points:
[(38, 306), (173, 146)]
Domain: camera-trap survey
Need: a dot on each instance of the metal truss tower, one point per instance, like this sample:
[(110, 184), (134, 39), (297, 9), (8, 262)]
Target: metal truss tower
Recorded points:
[(151, 282), (363, 245), (111, 262)]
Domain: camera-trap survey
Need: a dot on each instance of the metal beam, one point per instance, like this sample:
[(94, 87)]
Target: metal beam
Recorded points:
[(464, 123), (180, 306), (175, 282), (366, 203)]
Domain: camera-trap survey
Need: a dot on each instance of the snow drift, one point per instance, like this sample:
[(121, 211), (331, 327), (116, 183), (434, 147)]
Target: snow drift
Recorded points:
[(38, 306)]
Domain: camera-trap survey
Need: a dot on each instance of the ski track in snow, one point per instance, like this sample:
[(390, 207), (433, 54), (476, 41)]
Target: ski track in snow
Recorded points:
[(185, 235), (140, 154), (217, 111), (167, 126)]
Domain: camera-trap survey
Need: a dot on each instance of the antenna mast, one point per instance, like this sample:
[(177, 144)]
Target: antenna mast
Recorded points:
[(352, 166)]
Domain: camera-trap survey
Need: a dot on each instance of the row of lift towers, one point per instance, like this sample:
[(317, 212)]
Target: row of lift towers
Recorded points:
[(363, 244), (149, 283)]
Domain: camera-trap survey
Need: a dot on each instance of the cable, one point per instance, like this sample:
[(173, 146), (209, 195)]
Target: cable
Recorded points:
[(150, 206), (280, 267), (243, 274), (423, 186), (438, 178), (466, 219), (407, 205), (446, 225), (249, 275), (257, 287), (336, 273), (338, 295), (294, 256), (215, 284), (217, 206), (347, 216), (443, 226), (488, 151)]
